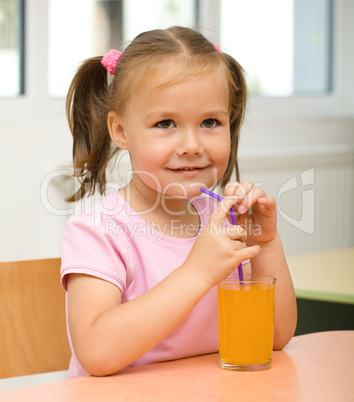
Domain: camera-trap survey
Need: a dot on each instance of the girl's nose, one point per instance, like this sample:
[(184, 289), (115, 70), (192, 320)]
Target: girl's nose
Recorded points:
[(190, 143)]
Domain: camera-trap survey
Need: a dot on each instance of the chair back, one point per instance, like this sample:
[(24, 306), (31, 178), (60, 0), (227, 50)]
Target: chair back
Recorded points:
[(33, 336)]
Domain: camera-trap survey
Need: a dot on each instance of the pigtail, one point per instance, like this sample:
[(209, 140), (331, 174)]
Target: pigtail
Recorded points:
[(238, 111), (87, 116)]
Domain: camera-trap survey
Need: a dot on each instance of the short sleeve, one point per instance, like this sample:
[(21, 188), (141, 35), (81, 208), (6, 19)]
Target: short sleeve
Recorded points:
[(88, 248)]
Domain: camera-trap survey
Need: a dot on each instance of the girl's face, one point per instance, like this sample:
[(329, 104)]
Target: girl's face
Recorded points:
[(178, 136)]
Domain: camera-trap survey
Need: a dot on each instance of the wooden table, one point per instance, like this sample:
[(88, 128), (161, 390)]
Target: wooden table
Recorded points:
[(313, 367), (327, 276)]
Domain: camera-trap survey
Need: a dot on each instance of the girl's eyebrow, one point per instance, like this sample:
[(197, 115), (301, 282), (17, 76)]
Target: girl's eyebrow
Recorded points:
[(168, 115), (160, 115)]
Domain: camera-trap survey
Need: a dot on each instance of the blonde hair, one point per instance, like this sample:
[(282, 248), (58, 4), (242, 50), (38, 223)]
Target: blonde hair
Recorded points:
[(91, 97)]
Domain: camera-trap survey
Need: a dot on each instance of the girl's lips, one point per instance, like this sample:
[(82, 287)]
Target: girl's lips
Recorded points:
[(189, 168), (188, 171)]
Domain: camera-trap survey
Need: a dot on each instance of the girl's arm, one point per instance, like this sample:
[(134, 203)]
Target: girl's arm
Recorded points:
[(258, 216), (107, 335), (272, 262)]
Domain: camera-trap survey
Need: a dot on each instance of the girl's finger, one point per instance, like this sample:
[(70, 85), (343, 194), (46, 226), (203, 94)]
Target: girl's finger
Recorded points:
[(222, 210), (240, 190), (234, 188), (230, 188), (250, 199), (235, 232), (247, 253), (268, 201)]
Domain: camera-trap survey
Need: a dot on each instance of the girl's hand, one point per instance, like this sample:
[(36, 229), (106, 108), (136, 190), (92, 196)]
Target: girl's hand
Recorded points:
[(219, 250), (257, 211)]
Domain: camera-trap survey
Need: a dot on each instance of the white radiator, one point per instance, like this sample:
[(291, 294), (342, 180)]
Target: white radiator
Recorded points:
[(315, 193), (314, 189)]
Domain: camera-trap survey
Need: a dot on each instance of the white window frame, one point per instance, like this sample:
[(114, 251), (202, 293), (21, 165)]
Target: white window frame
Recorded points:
[(340, 101), (36, 103)]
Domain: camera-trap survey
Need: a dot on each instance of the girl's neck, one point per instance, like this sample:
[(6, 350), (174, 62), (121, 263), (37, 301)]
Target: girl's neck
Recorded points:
[(147, 199), (177, 216)]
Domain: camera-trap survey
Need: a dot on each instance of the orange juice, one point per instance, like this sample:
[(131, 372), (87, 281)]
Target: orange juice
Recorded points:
[(246, 323)]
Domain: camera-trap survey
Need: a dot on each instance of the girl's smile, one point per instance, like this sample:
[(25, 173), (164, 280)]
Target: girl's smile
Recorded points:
[(179, 134), (189, 171), (176, 103)]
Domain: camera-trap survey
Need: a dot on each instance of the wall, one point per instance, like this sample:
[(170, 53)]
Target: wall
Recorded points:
[(29, 151), (285, 136), (32, 222)]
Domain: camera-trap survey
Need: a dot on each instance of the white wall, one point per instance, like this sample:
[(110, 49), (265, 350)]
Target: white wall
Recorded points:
[(35, 141), (31, 151)]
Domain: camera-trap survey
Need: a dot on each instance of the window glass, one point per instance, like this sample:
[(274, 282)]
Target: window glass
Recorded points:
[(140, 16), (11, 77), (79, 29), (284, 45)]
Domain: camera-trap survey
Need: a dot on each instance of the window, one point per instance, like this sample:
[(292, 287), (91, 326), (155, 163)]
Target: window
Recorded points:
[(11, 48), (92, 27), (285, 46), (307, 61), (103, 24)]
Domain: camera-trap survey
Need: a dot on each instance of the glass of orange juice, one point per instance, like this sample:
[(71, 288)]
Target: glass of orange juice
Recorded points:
[(246, 322)]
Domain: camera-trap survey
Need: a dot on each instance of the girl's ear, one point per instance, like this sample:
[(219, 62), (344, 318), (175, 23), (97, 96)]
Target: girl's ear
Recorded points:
[(116, 130)]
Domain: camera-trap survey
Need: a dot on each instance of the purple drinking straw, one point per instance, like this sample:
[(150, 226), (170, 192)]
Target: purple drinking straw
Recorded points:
[(233, 220)]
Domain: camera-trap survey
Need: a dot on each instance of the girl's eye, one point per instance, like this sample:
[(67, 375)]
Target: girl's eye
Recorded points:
[(165, 124), (209, 123)]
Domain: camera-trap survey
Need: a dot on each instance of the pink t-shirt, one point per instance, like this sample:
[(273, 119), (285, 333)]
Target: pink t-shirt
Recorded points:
[(112, 242)]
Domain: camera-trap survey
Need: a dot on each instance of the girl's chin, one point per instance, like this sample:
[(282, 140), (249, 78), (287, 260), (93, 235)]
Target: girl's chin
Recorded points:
[(183, 189), (187, 193)]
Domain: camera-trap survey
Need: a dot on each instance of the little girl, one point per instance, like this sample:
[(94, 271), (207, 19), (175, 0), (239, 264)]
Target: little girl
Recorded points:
[(141, 268)]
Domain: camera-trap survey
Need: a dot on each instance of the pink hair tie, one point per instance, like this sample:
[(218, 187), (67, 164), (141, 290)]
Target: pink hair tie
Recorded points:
[(110, 60), (217, 48)]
